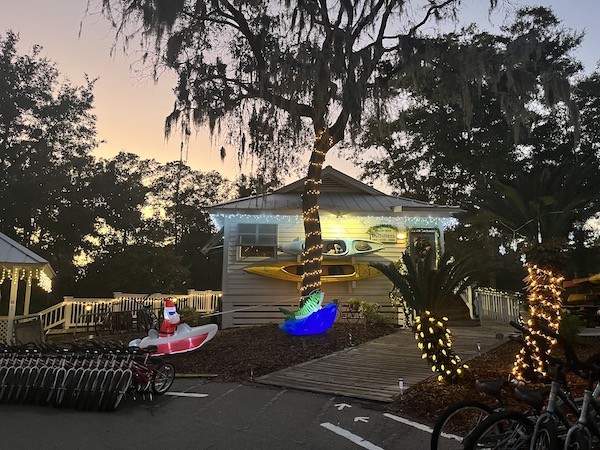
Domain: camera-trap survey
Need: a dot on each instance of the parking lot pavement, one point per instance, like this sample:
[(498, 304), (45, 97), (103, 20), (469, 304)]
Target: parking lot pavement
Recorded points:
[(209, 415)]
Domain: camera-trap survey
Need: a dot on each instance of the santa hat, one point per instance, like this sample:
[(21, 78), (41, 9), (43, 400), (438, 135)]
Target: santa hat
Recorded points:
[(169, 303)]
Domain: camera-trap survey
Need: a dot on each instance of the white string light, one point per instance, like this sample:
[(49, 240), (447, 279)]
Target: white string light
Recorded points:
[(545, 290), (44, 281), (434, 340)]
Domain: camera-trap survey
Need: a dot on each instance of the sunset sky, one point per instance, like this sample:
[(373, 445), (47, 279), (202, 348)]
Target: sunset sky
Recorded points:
[(131, 109)]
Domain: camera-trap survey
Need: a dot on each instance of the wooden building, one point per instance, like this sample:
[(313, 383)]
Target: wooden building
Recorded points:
[(255, 228)]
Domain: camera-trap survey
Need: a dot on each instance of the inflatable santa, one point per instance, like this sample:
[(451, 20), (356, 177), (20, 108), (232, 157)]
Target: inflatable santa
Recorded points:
[(171, 318)]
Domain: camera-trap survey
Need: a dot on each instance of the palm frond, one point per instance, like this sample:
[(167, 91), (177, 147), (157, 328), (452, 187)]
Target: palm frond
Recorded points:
[(427, 288)]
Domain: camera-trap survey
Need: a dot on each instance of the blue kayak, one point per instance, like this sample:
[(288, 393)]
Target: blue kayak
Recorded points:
[(317, 323)]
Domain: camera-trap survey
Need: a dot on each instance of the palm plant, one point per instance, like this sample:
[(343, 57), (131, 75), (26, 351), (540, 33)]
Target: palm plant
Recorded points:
[(428, 290), (542, 207)]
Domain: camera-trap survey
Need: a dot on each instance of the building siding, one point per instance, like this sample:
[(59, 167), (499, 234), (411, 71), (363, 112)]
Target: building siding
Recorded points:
[(250, 299)]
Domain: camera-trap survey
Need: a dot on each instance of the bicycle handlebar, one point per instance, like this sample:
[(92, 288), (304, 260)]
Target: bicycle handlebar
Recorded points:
[(519, 327)]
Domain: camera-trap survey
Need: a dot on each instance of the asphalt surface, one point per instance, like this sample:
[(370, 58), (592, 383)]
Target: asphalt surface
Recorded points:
[(209, 415)]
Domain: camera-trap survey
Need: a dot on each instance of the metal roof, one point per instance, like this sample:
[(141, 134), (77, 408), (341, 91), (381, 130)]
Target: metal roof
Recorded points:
[(339, 193)]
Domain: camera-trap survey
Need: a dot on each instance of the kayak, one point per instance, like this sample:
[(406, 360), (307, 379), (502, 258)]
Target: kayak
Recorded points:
[(333, 271), (335, 248)]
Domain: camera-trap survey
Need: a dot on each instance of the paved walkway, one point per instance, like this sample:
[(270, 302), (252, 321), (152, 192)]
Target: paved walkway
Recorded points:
[(371, 371)]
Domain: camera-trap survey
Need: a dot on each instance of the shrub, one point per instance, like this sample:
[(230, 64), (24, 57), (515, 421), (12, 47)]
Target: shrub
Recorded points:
[(192, 317), (569, 328), (370, 311)]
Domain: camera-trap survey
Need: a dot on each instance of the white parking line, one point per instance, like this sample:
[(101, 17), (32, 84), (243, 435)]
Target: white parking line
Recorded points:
[(417, 425), (351, 436), (186, 394), (420, 426)]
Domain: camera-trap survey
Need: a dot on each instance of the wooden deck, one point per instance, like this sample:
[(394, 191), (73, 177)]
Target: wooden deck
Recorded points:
[(371, 371)]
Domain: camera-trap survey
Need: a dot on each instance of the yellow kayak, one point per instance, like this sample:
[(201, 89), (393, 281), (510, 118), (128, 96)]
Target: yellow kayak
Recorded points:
[(595, 279), (333, 271), (583, 298)]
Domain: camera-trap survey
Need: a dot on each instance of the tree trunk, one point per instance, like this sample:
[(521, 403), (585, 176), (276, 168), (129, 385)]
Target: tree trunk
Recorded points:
[(313, 246), (544, 285), (434, 340)]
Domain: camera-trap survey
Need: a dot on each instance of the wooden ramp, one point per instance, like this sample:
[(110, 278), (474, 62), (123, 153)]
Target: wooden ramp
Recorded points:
[(371, 371)]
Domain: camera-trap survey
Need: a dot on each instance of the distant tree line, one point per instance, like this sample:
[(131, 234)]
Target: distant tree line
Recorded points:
[(117, 224), (453, 141)]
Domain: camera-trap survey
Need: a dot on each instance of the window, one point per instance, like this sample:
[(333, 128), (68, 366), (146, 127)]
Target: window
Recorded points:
[(257, 240)]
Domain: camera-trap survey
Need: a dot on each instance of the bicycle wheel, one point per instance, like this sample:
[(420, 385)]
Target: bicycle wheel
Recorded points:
[(30, 388), (456, 422), (14, 384), (545, 436), (7, 383), (164, 374), (122, 387), (506, 430), (3, 382), (105, 390), (19, 384), (80, 394), (579, 439), (66, 389), (90, 387), (56, 389)]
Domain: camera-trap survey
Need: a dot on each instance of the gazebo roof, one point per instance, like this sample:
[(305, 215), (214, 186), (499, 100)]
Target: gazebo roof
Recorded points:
[(14, 255)]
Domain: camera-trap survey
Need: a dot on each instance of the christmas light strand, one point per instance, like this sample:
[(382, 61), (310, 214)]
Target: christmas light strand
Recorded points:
[(545, 305), (434, 340), (44, 282)]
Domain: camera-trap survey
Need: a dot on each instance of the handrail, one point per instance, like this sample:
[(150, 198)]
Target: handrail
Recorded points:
[(73, 312)]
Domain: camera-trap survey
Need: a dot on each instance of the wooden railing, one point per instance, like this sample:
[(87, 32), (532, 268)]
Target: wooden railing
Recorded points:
[(502, 306), (80, 312)]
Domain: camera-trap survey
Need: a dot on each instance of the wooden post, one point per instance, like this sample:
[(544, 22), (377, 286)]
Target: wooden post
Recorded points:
[(12, 306), (27, 297)]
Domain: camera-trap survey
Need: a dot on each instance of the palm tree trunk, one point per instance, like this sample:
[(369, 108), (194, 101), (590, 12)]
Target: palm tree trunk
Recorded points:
[(434, 339), (313, 248), (544, 287)]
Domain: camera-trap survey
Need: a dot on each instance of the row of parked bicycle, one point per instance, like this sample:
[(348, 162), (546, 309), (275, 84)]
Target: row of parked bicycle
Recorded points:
[(93, 375), (556, 419)]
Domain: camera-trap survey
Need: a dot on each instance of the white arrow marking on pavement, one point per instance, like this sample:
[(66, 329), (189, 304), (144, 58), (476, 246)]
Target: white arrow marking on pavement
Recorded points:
[(341, 406), (361, 419), (351, 436), (186, 394)]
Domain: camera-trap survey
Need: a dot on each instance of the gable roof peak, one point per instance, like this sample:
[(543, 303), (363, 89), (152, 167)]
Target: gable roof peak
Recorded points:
[(333, 181)]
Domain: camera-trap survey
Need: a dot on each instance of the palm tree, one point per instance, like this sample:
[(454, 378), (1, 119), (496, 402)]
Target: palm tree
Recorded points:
[(542, 206), (428, 290)]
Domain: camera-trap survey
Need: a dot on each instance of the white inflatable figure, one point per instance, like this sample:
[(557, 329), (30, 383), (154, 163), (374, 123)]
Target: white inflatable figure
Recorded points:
[(171, 318)]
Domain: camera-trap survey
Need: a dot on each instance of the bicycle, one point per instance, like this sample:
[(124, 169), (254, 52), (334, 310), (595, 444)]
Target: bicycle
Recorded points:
[(513, 430), (88, 375), (349, 312), (146, 317), (458, 420), (553, 427)]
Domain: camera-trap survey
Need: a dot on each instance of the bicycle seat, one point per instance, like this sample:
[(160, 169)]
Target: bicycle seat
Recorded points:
[(491, 387), (534, 397)]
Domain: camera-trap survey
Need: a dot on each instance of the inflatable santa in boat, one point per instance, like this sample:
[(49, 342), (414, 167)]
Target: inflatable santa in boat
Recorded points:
[(176, 336)]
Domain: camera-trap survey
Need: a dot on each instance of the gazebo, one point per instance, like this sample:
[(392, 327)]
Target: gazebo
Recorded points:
[(19, 263)]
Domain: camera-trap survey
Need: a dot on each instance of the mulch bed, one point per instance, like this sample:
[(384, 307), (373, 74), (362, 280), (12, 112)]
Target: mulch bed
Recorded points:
[(240, 354), (428, 399)]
